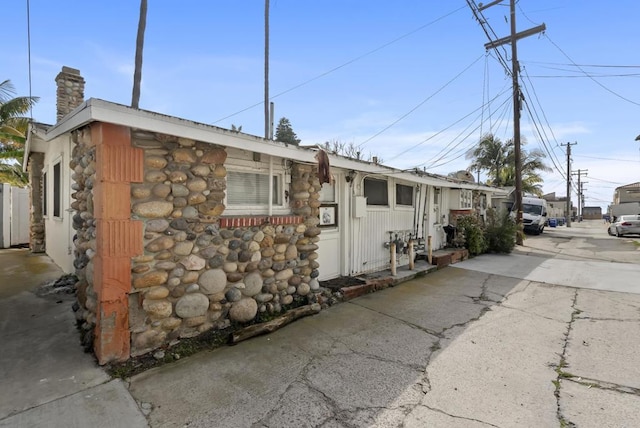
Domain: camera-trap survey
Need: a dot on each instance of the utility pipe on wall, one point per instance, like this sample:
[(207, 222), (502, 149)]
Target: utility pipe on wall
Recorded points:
[(392, 249), (429, 249), (411, 255)]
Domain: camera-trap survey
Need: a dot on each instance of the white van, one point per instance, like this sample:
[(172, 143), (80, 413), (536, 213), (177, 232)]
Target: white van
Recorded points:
[(534, 214)]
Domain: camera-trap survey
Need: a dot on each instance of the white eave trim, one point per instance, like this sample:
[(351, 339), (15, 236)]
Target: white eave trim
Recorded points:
[(96, 110)]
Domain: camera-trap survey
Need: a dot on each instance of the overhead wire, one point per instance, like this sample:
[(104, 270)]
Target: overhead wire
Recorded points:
[(532, 110), (482, 20), (457, 155), (445, 129), (421, 103), (588, 75), (603, 158), (351, 61)]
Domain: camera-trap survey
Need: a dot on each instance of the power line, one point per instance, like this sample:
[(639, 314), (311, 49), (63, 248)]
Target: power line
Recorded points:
[(588, 75), (421, 103), (557, 76), (351, 61), (446, 128), (552, 156), (460, 153), (612, 159), (582, 65)]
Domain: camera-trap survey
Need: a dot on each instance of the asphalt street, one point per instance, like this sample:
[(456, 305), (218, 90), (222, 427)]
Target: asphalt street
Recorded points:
[(543, 337)]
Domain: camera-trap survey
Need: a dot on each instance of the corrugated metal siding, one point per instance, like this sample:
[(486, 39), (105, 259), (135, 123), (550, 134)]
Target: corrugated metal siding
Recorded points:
[(371, 233)]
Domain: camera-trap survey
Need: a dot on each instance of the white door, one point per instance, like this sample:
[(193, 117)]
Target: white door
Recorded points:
[(329, 246), (19, 216)]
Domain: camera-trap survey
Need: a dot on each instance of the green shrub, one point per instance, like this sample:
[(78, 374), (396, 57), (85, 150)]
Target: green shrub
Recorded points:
[(473, 232), (500, 232)]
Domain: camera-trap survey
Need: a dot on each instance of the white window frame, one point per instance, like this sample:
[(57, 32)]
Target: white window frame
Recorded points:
[(46, 206), (377, 206), (325, 190), (60, 191), (258, 209), (466, 199), (413, 196)]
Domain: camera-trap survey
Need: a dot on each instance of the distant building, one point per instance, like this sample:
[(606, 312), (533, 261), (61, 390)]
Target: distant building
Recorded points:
[(592, 213), (626, 200), (557, 206)]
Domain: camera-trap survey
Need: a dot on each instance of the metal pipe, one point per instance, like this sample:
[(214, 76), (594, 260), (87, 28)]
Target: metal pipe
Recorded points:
[(392, 249), (411, 255), (429, 259)]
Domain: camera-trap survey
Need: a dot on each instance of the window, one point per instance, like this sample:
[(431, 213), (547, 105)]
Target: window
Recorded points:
[(45, 208), (404, 195), (328, 192), (376, 191), (57, 190), (248, 188), (466, 199)]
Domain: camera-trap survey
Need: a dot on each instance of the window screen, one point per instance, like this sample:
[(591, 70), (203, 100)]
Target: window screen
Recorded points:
[(328, 192), (45, 192), (404, 195), (247, 188), (376, 191), (57, 189)]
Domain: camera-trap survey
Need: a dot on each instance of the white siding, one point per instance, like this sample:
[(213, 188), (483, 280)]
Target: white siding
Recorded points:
[(58, 230), (370, 233)]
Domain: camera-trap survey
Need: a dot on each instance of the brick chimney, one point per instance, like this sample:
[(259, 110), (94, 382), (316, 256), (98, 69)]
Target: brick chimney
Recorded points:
[(70, 91)]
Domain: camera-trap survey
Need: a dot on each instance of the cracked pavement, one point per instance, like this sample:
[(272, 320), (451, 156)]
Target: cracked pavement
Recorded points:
[(496, 341)]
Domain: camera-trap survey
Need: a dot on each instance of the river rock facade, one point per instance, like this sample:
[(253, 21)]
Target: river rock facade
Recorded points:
[(198, 269)]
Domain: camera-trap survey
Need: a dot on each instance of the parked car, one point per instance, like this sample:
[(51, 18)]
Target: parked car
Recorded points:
[(625, 225)]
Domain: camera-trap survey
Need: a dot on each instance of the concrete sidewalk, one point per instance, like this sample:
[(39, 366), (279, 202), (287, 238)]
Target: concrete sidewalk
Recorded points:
[(485, 343), (45, 377)]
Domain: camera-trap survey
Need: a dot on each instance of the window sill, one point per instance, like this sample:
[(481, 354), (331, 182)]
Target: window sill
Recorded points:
[(258, 220)]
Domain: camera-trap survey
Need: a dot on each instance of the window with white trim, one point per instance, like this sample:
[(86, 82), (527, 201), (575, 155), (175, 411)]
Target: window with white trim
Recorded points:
[(404, 195), (252, 189), (376, 191), (328, 192), (466, 199), (45, 192), (57, 190)]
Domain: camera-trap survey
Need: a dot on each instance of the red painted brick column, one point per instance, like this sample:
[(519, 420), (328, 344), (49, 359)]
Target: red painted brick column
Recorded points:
[(118, 238)]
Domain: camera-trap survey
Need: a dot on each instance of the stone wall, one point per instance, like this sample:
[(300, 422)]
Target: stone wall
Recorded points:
[(36, 224), (83, 167), (199, 270)]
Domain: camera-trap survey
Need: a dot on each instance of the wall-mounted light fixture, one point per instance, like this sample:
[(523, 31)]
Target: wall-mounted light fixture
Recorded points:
[(350, 176)]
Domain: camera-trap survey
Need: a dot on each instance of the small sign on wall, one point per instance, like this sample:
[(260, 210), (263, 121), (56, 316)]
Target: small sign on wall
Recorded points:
[(328, 215)]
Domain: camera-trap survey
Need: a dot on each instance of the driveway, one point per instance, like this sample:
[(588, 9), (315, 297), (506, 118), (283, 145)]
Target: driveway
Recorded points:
[(502, 341), (512, 343)]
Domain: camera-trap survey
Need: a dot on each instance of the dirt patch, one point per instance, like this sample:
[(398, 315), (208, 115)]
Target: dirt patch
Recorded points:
[(342, 281)]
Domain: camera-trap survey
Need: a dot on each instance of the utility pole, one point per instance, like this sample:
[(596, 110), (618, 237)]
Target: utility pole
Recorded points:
[(267, 119), (515, 69), (582, 198), (580, 173), (569, 212)]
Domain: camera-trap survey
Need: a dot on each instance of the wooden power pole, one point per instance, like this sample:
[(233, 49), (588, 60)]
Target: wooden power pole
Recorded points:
[(515, 69), (267, 108), (569, 211)]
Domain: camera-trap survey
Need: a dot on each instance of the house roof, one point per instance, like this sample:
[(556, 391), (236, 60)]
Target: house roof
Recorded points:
[(96, 110), (629, 186)]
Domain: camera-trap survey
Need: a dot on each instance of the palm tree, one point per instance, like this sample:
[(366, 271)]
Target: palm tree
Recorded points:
[(13, 128), (137, 73), (532, 165), (498, 159), (490, 155)]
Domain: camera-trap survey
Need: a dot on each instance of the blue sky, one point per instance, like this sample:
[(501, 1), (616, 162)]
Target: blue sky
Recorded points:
[(405, 80)]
